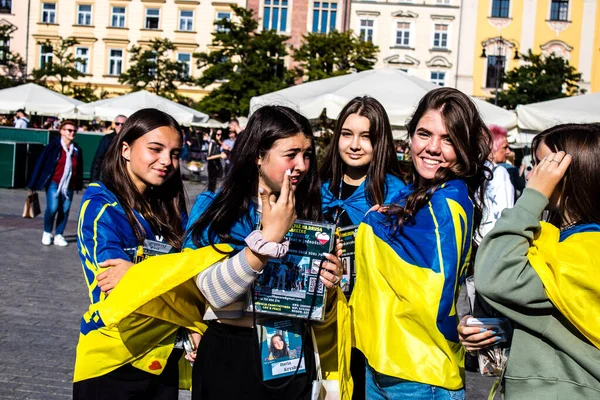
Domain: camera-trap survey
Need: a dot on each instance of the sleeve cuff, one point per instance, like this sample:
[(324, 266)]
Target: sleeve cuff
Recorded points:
[(532, 201)]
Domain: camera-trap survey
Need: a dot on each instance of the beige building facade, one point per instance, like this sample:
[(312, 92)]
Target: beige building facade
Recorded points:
[(505, 28), (419, 37), (107, 29), (14, 13)]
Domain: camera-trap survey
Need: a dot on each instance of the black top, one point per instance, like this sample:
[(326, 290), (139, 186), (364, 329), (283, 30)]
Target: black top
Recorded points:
[(347, 191)]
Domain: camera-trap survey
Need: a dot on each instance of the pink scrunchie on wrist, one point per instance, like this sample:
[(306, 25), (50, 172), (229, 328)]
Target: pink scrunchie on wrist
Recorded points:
[(259, 245)]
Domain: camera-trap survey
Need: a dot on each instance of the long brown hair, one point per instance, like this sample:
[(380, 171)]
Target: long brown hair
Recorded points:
[(472, 142), (267, 125), (161, 206), (384, 159), (579, 188)]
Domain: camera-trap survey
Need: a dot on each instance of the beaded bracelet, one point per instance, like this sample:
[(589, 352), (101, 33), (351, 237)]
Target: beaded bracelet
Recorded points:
[(259, 245)]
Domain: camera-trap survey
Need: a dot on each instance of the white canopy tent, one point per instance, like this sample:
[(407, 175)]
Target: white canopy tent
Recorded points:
[(35, 99), (108, 109), (396, 90), (211, 123), (537, 117)]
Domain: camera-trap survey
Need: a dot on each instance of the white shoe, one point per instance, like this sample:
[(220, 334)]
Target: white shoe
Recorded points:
[(47, 239), (59, 240)]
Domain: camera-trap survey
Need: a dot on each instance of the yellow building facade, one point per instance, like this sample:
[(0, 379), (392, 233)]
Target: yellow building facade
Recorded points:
[(503, 28), (107, 29)]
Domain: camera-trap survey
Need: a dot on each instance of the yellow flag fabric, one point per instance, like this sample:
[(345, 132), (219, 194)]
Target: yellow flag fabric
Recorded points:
[(333, 337), (137, 322), (407, 281), (569, 266)]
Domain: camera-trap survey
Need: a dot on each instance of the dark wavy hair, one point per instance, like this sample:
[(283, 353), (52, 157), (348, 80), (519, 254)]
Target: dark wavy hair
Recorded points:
[(161, 206), (278, 353), (384, 159), (267, 125), (472, 143), (579, 188)]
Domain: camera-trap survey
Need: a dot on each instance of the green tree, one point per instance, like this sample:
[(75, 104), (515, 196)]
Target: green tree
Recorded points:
[(12, 66), (154, 70), (541, 78), (336, 53), (61, 67), (244, 62), (87, 93)]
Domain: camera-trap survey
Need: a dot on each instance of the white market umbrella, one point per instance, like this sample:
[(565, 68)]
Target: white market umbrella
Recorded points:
[(398, 92), (108, 109), (211, 123), (540, 116), (37, 100)]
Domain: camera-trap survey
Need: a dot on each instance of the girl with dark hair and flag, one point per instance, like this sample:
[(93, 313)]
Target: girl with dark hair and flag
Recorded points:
[(412, 256), (545, 276), (140, 198)]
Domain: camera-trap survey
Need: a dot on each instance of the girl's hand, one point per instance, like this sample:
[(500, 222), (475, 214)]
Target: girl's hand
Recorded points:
[(191, 357), (331, 273), (378, 208), (117, 268), (548, 172), (475, 337), (279, 215)]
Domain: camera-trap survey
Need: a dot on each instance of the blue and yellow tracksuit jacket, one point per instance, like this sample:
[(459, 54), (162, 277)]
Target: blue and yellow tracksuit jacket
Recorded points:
[(403, 303), (137, 322)]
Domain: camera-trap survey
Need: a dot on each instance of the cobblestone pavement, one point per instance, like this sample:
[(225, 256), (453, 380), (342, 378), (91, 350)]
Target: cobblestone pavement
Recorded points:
[(42, 298)]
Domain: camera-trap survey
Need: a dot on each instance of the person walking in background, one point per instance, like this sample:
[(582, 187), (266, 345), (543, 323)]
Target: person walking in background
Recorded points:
[(499, 191), (21, 121), (412, 256), (59, 171), (228, 144), (214, 157), (103, 148)]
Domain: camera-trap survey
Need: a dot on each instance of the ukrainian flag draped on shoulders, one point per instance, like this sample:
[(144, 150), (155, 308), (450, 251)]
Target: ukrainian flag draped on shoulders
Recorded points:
[(138, 321), (568, 264), (357, 205), (404, 300)]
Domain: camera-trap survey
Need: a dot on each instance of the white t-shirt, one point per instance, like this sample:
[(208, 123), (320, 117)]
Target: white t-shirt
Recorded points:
[(499, 194)]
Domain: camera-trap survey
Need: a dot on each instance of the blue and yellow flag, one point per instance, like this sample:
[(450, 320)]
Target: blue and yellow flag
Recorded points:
[(137, 322), (568, 264), (403, 303)]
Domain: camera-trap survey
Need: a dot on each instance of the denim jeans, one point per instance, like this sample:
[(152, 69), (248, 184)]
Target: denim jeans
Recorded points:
[(56, 206), (384, 387)]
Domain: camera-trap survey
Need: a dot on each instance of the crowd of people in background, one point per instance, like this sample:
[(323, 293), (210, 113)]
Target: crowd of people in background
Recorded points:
[(428, 212)]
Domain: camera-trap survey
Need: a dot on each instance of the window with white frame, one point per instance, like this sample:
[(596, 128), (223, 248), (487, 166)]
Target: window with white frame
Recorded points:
[(6, 6), (495, 70), (46, 55), (324, 16), (223, 15), (49, 13), (84, 14), (186, 60), (438, 78), (115, 62), (275, 15), (440, 36), (403, 34), (367, 29), (117, 17), (500, 8), (152, 18), (559, 10), (186, 20), (444, 2), (83, 54)]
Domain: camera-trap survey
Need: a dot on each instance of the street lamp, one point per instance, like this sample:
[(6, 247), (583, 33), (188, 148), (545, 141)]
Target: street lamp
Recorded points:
[(500, 48)]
